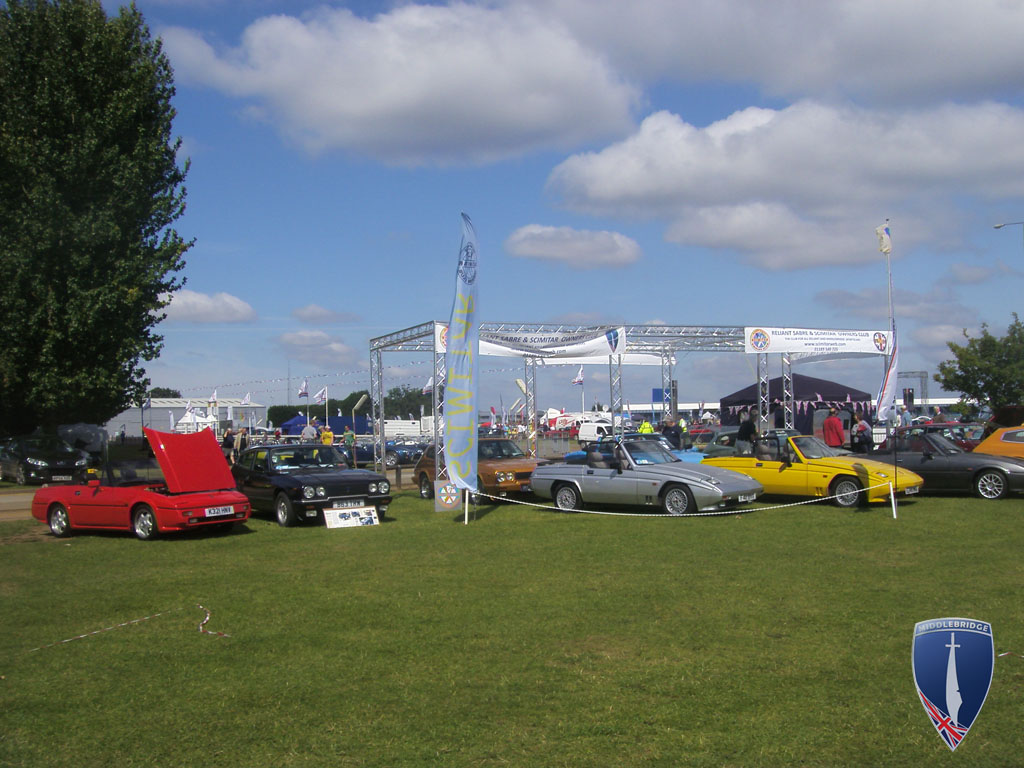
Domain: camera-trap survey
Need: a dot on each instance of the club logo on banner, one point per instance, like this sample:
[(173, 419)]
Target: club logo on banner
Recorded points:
[(952, 661), (881, 342)]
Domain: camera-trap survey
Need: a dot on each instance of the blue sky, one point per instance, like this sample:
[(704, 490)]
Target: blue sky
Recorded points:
[(715, 162)]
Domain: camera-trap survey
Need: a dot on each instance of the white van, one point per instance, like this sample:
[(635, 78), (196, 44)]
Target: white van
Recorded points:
[(592, 431)]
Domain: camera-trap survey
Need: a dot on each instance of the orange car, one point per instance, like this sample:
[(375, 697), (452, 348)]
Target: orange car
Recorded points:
[(502, 468), (1008, 441)]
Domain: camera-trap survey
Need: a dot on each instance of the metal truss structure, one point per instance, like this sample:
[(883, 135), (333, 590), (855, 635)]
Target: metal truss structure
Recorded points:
[(665, 341)]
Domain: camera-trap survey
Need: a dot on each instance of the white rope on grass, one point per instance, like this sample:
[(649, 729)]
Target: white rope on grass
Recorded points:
[(717, 513)]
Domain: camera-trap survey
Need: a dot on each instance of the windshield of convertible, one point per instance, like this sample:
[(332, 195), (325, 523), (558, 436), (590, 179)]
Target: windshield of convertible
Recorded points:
[(648, 452), (292, 458), (813, 448)]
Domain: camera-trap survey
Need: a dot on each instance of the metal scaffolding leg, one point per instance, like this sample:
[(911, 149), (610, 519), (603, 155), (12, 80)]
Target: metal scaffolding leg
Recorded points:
[(762, 392), (788, 398), (440, 376), (615, 387), (377, 400), (666, 383), (530, 364)]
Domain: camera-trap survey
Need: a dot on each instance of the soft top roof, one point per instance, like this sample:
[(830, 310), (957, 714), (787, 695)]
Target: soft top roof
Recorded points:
[(190, 462)]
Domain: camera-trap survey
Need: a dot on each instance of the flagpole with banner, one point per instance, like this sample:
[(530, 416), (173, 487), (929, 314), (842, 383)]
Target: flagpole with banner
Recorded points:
[(460, 360), (886, 403), (304, 392)]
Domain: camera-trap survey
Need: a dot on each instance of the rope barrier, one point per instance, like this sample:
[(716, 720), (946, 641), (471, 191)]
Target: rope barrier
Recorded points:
[(201, 628), (716, 513)]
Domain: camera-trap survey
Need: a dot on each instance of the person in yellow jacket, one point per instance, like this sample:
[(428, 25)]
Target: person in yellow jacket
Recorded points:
[(646, 428), (326, 436)]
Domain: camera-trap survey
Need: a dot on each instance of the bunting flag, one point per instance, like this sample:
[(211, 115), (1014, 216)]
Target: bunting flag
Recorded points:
[(304, 389), (321, 396), (579, 377), (460, 360)]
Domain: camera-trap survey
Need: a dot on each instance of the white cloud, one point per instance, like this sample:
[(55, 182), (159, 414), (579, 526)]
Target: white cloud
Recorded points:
[(804, 185), (314, 313), (872, 49), (419, 84), (581, 249), (316, 347), (938, 335), (193, 307)]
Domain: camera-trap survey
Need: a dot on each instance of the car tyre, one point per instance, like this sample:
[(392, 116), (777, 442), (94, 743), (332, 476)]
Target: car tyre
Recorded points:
[(678, 500), (567, 498), (990, 484), (390, 460), (846, 491), (144, 524), (285, 511), (426, 487), (59, 521), (19, 475)]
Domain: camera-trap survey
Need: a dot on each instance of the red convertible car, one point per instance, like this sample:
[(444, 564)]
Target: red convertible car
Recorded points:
[(185, 484)]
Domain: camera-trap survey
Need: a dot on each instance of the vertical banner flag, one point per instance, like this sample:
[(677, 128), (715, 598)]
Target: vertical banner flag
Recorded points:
[(579, 377), (460, 362), (885, 404), (304, 389)]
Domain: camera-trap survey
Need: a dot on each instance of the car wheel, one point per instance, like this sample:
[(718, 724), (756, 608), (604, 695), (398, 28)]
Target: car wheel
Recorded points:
[(990, 484), (426, 488), (846, 491), (60, 523), (567, 498), (19, 475), (678, 500), (285, 511), (144, 524), (390, 460)]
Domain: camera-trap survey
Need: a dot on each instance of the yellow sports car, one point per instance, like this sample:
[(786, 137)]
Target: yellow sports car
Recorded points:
[(804, 466)]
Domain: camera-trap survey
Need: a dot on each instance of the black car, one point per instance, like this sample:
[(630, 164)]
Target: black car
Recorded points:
[(41, 459), (946, 467), (298, 482), (395, 453)]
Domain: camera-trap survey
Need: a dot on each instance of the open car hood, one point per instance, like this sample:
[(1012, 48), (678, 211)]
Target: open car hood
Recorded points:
[(190, 462)]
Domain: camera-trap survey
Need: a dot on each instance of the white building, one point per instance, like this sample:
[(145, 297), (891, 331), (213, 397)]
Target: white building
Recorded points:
[(168, 414)]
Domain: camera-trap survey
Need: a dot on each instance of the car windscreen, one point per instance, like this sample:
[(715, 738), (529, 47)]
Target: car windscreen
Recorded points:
[(813, 448), (299, 457), (499, 449), (46, 445), (648, 452), (943, 444)]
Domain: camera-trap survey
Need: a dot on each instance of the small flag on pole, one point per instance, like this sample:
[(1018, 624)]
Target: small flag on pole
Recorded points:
[(884, 241), (579, 377), (213, 397), (148, 403), (321, 396), (247, 400), (428, 387), (304, 389), (188, 407)]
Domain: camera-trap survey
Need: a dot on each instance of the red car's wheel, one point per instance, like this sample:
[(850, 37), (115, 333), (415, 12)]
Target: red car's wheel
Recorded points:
[(60, 522), (144, 524)]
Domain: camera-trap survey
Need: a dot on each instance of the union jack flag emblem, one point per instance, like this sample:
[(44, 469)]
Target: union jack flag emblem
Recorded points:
[(952, 661)]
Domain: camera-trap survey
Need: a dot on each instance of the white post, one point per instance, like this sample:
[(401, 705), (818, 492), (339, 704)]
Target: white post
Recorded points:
[(892, 498), (465, 495)]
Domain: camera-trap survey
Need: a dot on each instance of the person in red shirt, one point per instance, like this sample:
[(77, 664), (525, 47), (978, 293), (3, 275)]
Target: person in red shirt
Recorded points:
[(832, 430)]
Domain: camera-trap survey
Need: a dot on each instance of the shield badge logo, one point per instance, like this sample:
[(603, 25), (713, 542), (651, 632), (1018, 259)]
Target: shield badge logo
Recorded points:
[(952, 661)]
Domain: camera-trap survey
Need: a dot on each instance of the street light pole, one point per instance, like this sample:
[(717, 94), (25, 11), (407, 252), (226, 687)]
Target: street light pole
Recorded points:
[(1012, 224)]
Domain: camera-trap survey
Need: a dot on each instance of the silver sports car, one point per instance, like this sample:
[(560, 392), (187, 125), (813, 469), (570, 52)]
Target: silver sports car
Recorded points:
[(642, 473)]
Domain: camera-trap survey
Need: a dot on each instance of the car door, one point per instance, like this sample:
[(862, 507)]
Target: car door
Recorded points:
[(608, 481), (912, 453), (101, 506), (778, 467), (252, 476)]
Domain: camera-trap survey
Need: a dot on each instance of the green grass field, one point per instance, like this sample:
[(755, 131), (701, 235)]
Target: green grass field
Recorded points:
[(527, 638)]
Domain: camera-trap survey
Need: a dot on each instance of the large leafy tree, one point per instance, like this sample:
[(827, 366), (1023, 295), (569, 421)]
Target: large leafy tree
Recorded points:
[(987, 368), (89, 186)]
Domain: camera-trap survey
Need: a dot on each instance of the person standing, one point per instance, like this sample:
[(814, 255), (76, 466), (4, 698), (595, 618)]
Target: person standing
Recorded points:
[(904, 417), (242, 441), (349, 438), (745, 434), (672, 432), (832, 430), (327, 436), (227, 444), (860, 434), (308, 434), (646, 428)]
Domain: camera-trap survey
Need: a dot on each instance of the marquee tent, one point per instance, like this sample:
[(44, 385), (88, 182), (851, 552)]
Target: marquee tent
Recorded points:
[(809, 394)]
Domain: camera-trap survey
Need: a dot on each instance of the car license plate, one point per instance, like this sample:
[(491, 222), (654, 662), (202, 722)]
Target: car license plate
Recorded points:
[(62, 478), (347, 503), (747, 497), (912, 489), (219, 511)]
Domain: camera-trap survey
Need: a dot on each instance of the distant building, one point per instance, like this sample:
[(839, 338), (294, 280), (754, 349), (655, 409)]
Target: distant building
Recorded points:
[(168, 414)]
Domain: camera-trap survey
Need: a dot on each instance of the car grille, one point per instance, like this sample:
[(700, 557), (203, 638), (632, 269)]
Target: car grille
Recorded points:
[(523, 475)]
